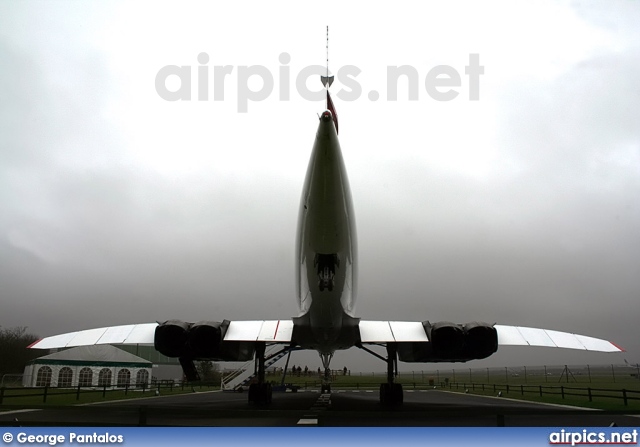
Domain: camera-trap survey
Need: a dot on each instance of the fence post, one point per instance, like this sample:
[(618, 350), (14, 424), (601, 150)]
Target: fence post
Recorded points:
[(562, 390), (624, 396), (507, 388), (1, 395), (126, 388), (78, 392), (104, 390), (590, 396), (521, 390), (540, 387), (613, 373), (545, 373), (44, 396)]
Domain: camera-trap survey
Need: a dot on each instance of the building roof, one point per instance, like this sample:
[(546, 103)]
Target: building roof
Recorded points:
[(98, 355)]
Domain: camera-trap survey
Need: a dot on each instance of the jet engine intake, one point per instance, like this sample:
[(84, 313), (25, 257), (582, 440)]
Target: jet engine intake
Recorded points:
[(447, 339), (201, 340), (481, 340), (450, 342), (170, 338)]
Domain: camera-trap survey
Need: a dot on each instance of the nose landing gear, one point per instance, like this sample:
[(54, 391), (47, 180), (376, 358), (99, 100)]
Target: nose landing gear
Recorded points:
[(326, 265), (325, 388)]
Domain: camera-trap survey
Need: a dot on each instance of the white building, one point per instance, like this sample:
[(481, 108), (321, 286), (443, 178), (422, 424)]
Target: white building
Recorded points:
[(88, 366)]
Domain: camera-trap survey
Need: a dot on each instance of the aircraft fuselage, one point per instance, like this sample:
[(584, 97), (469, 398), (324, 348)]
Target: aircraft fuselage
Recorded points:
[(326, 248)]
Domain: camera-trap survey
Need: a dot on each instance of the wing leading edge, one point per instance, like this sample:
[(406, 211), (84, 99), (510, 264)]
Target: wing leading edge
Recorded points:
[(276, 331), (371, 332), (406, 331)]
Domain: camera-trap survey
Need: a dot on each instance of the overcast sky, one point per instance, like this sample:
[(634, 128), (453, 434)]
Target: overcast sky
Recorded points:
[(521, 207)]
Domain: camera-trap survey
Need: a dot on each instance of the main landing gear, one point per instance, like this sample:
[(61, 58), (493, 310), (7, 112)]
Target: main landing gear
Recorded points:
[(391, 393), (260, 393)]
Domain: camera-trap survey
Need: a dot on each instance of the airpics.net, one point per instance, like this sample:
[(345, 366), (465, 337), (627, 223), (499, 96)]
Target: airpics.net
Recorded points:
[(173, 82)]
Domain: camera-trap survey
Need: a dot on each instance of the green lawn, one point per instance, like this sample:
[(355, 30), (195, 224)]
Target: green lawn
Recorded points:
[(600, 386), (34, 397), (525, 388)]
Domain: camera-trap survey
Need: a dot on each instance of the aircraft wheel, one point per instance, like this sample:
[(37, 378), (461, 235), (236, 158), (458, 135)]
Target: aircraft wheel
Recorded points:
[(253, 392), (398, 395), (391, 394), (384, 393), (268, 393)]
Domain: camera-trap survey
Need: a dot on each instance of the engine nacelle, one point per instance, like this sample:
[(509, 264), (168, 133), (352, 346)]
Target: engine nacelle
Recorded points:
[(202, 340), (481, 340), (170, 338), (450, 342), (447, 339)]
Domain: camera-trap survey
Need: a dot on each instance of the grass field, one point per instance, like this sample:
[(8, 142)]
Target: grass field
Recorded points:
[(568, 386), (35, 397), (606, 394)]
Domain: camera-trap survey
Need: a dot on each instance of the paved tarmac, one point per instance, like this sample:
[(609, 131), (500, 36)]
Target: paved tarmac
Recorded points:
[(354, 408)]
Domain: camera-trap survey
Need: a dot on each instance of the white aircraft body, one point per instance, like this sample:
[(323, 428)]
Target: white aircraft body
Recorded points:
[(326, 280)]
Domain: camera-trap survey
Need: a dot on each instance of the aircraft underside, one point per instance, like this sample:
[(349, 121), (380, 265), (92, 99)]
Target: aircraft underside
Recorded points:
[(326, 281)]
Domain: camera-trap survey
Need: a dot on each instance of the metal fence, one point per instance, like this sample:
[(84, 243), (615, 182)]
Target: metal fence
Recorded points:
[(525, 374), (555, 390), (9, 393), (11, 380)]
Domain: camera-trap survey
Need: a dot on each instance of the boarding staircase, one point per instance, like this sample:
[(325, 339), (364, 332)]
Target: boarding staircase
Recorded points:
[(243, 375)]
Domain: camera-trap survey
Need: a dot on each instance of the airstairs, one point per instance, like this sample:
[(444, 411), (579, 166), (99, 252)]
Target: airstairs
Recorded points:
[(243, 375)]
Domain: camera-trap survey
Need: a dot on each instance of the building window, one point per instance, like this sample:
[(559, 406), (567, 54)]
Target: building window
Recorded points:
[(124, 377), (44, 376), (86, 377), (104, 377), (65, 377), (142, 377)]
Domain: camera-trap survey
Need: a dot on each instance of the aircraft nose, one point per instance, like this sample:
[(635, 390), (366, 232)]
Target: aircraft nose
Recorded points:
[(326, 116)]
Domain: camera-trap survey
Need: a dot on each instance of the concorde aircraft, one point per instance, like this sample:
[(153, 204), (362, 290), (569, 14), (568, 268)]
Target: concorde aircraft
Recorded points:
[(326, 281)]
